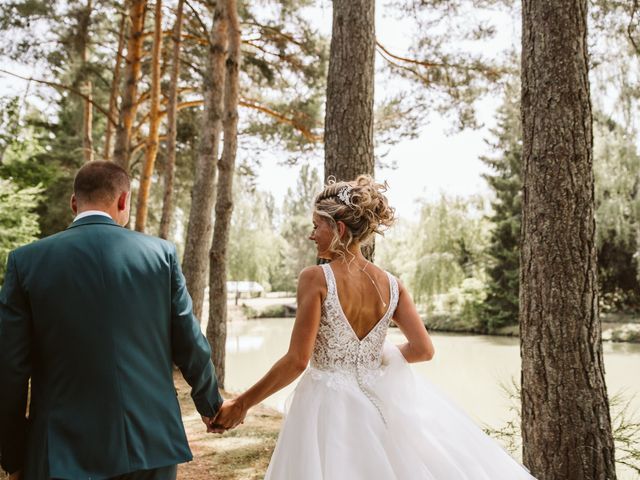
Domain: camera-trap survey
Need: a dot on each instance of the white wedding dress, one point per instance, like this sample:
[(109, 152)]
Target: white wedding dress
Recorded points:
[(358, 413)]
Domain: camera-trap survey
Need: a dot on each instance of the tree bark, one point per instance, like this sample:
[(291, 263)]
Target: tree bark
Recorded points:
[(129, 106), (113, 96), (172, 116), (151, 151), (86, 84), (217, 326), (348, 134), (200, 228), (87, 121), (565, 412)]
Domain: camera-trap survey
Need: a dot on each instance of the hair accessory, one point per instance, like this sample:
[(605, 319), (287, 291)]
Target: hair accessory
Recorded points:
[(344, 194)]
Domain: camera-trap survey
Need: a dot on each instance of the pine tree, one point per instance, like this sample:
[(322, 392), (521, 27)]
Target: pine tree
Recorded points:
[(501, 305)]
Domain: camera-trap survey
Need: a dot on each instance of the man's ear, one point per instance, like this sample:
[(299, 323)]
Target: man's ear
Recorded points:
[(122, 201), (341, 228), (74, 204)]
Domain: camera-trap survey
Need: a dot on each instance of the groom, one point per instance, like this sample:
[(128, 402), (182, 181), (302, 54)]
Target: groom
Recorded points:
[(95, 316)]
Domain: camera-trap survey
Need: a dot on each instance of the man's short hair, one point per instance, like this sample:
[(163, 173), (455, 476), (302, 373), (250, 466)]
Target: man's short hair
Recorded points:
[(100, 182)]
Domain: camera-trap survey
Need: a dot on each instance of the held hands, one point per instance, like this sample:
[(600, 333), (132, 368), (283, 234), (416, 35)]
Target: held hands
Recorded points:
[(211, 427), (231, 414)]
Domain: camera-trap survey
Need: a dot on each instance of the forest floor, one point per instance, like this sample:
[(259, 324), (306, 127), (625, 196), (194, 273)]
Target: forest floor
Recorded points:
[(240, 454)]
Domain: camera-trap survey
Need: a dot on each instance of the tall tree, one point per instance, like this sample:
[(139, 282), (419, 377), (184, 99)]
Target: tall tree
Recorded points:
[(501, 305), (217, 326), (151, 150), (566, 423), (200, 228), (115, 84), (348, 137), (87, 85), (172, 115), (129, 105)]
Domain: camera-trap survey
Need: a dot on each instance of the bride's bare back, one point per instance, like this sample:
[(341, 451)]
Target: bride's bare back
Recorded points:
[(364, 298)]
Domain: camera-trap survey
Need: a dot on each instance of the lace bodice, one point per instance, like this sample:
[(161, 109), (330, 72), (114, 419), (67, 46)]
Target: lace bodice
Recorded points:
[(339, 356)]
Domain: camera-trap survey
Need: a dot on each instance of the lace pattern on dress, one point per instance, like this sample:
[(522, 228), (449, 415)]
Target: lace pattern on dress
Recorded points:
[(339, 357)]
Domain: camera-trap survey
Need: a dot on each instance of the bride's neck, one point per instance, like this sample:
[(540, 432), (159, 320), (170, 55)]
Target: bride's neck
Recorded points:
[(354, 254)]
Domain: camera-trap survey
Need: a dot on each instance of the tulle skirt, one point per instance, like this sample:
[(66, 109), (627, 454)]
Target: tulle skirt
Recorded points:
[(398, 428)]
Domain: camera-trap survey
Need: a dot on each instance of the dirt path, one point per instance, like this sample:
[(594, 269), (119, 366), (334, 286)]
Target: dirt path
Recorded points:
[(241, 454)]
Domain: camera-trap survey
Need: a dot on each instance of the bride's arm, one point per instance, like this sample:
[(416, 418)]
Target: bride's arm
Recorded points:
[(293, 363), (419, 347)]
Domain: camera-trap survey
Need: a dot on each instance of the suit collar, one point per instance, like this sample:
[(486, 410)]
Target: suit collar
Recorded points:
[(93, 220)]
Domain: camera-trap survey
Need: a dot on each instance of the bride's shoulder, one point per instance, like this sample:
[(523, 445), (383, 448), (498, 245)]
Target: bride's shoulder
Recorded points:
[(311, 274), (311, 281)]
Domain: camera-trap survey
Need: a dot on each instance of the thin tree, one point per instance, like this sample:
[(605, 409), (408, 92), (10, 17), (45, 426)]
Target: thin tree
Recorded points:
[(565, 411), (151, 150), (200, 228), (348, 138), (115, 82), (217, 326), (129, 106), (86, 85), (172, 116)]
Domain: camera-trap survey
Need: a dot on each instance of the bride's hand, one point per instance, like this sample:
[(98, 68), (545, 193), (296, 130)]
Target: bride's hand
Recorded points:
[(231, 414)]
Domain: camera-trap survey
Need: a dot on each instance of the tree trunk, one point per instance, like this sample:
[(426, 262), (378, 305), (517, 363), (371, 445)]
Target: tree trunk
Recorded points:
[(87, 122), (348, 133), (565, 412), (199, 229), (113, 96), (129, 105), (172, 117), (86, 84), (217, 326), (151, 151)]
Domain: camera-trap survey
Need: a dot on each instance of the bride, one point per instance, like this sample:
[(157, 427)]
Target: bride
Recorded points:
[(358, 412)]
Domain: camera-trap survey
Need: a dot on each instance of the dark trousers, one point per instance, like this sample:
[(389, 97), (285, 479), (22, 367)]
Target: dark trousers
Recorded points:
[(164, 473)]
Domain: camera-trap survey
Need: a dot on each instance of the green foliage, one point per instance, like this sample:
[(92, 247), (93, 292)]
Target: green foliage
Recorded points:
[(449, 242), (299, 252), (254, 248), (441, 257), (616, 166), (501, 305), (18, 222)]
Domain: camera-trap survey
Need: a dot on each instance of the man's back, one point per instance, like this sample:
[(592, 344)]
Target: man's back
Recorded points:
[(98, 314)]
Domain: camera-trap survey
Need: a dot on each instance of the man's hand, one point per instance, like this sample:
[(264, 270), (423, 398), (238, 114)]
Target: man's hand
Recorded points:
[(211, 426), (230, 415), (16, 475)]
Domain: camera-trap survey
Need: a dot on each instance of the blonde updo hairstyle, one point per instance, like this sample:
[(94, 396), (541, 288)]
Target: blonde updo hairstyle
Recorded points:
[(361, 205)]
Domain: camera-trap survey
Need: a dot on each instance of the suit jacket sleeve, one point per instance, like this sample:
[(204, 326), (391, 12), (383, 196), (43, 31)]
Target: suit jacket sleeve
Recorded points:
[(191, 351), (15, 368)]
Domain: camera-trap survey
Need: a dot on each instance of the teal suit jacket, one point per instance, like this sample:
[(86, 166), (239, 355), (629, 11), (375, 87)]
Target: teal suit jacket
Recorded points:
[(96, 316)]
